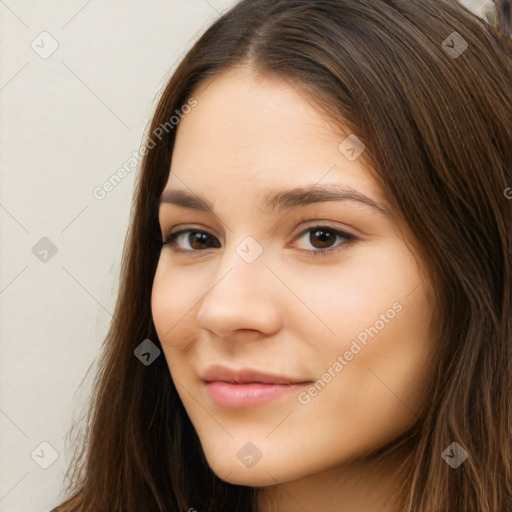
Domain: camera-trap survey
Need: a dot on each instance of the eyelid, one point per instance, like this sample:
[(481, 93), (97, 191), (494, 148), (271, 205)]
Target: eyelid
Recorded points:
[(323, 224), (178, 228)]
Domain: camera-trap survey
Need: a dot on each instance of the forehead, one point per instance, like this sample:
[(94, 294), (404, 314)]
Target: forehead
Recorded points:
[(259, 132)]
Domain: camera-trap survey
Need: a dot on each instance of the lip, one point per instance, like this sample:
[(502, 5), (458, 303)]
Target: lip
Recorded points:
[(216, 373), (239, 396), (240, 388)]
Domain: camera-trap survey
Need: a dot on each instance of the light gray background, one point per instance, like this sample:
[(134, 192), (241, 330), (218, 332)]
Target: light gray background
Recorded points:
[(68, 121)]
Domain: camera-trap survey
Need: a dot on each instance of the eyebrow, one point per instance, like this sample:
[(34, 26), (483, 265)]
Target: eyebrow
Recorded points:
[(278, 200)]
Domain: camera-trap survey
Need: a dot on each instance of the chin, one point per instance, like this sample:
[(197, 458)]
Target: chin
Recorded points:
[(262, 474), (249, 479)]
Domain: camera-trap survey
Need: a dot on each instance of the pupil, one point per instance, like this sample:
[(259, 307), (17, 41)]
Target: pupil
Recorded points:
[(322, 234), (197, 237)]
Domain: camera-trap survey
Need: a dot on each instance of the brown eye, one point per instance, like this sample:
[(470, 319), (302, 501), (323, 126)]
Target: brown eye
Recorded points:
[(326, 238), (196, 240), (322, 238)]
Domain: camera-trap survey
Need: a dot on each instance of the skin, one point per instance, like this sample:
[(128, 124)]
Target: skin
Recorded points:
[(290, 313)]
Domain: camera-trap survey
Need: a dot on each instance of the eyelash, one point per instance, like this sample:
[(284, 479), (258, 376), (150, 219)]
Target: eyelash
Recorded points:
[(347, 239)]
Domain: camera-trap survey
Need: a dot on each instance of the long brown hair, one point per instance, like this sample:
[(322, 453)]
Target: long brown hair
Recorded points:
[(427, 86)]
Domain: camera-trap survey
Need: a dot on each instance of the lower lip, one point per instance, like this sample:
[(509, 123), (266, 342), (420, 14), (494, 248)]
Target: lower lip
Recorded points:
[(225, 394)]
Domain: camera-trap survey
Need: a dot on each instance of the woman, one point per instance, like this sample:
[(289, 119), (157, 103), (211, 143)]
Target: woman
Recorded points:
[(241, 372)]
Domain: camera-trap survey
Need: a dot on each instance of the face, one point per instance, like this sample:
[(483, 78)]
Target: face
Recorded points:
[(296, 330)]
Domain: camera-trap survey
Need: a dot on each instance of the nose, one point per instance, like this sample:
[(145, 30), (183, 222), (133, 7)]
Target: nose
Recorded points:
[(242, 297)]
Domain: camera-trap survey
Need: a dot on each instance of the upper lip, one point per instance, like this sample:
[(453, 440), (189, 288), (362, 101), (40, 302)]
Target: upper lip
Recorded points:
[(216, 373)]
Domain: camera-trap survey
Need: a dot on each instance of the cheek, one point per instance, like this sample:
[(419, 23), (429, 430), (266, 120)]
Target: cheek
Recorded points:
[(172, 299), (372, 394), (381, 343), (375, 280)]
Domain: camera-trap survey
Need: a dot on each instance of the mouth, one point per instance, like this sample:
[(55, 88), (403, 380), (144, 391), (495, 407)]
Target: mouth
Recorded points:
[(246, 387)]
